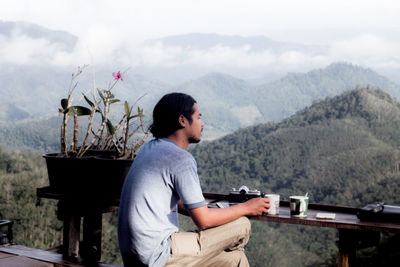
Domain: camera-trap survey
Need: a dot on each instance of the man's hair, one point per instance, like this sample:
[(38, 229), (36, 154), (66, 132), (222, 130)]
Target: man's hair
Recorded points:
[(167, 111)]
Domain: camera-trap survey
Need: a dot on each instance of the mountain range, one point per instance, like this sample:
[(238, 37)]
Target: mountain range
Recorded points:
[(31, 92), (343, 150), (227, 103)]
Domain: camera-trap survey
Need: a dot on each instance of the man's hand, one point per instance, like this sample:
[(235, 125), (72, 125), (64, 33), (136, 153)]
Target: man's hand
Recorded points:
[(205, 217), (256, 206)]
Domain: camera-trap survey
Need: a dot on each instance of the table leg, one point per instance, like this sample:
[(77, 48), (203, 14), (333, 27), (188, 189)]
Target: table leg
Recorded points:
[(71, 235), (347, 247), (92, 228)]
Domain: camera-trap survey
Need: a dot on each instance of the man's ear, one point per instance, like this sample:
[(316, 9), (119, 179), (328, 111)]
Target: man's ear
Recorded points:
[(182, 120)]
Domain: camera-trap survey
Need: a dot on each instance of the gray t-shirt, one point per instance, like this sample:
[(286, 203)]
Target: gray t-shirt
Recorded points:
[(160, 176)]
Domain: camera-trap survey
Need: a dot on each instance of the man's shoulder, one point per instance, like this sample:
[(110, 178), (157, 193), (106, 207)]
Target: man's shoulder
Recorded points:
[(168, 148)]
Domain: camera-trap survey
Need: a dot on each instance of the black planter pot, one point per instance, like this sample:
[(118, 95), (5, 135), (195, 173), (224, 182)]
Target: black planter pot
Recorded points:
[(90, 176), (111, 175)]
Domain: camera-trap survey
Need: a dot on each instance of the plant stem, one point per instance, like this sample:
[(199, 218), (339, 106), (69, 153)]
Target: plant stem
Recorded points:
[(83, 149), (76, 130)]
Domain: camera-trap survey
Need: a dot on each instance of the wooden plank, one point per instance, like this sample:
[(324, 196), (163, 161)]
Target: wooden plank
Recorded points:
[(38, 254), (342, 221), (48, 192), (5, 255), (21, 261), (46, 256), (346, 217)]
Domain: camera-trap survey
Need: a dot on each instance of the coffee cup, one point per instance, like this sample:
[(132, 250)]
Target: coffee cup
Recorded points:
[(273, 203), (298, 206)]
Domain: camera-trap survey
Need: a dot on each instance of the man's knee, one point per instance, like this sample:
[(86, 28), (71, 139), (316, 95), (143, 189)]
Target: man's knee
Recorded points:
[(243, 223), (241, 227)]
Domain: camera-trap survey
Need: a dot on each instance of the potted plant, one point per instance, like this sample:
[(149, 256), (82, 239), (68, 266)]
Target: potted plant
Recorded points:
[(97, 163)]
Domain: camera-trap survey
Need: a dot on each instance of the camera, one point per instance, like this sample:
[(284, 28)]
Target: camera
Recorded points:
[(243, 194)]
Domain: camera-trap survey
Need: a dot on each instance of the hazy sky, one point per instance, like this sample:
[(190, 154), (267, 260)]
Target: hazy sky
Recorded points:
[(363, 31), (156, 18)]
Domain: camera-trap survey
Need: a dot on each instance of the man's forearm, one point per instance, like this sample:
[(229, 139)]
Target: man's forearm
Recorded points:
[(205, 217)]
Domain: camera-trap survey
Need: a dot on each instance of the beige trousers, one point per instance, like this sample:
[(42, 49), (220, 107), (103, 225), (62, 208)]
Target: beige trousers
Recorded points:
[(217, 247)]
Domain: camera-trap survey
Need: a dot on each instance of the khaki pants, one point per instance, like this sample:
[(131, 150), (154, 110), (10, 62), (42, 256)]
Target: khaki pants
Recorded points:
[(217, 247)]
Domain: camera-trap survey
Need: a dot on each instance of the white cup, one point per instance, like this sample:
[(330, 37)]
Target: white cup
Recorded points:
[(274, 203), (298, 206)]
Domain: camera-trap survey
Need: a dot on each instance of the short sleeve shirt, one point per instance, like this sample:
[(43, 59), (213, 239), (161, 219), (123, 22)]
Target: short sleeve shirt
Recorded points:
[(160, 176)]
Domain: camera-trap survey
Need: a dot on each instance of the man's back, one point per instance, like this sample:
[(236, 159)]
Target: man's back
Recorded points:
[(162, 174)]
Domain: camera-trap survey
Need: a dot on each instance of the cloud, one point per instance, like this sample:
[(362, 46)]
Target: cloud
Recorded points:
[(225, 58), (105, 45), (367, 49), (22, 49), (100, 45)]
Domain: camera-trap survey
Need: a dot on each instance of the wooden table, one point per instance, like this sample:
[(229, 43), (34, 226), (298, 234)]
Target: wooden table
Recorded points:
[(350, 228), (71, 208)]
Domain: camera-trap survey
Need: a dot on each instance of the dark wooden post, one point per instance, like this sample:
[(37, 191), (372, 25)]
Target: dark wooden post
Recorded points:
[(347, 247), (72, 225), (92, 229)]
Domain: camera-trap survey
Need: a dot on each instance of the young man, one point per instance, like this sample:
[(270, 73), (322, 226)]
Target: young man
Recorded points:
[(163, 179)]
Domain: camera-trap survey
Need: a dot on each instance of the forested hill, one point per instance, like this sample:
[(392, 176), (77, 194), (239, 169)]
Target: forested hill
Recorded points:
[(227, 103), (280, 99), (342, 150)]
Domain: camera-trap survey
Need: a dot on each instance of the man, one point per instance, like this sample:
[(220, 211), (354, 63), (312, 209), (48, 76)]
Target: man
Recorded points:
[(163, 179)]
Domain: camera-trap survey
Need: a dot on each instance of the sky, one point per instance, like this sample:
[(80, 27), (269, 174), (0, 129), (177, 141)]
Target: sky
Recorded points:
[(157, 18), (360, 31)]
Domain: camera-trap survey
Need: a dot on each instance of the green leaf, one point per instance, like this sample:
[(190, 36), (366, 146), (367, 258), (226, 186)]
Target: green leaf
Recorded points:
[(114, 101), (127, 109), (64, 103), (110, 127), (102, 117), (87, 100), (100, 94), (81, 111)]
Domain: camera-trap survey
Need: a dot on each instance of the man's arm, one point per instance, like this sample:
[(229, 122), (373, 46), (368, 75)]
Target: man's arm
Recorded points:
[(205, 217), (181, 208)]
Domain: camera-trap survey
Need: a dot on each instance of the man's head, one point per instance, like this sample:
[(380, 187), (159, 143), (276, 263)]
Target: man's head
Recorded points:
[(170, 113)]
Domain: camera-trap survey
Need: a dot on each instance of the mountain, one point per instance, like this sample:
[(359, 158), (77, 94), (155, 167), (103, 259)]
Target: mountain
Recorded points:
[(38, 90), (224, 101), (350, 138), (62, 39), (283, 98), (10, 112), (227, 103), (39, 135), (204, 41), (343, 150)]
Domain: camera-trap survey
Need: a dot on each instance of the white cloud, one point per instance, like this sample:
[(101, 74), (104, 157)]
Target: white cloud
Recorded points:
[(370, 50), (104, 45), (157, 55), (22, 49)]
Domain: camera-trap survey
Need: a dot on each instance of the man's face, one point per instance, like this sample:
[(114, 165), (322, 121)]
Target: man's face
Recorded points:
[(195, 129)]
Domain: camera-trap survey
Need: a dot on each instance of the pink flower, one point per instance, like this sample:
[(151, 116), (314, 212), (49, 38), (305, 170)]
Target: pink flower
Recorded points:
[(118, 75)]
